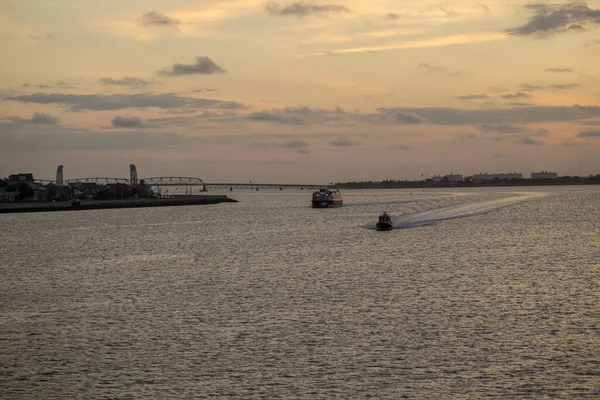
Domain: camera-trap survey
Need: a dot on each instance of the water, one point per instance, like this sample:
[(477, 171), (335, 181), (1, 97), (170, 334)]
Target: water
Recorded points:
[(487, 293)]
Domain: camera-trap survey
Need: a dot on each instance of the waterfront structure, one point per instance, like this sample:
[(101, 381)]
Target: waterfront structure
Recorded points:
[(491, 177), (451, 177), (26, 178), (6, 196), (59, 176), (133, 177), (544, 175)]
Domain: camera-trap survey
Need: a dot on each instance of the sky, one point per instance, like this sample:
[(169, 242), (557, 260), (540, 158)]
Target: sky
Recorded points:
[(298, 91)]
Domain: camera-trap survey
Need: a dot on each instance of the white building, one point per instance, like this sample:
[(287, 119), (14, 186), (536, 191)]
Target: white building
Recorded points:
[(544, 175), (451, 177), (491, 177)]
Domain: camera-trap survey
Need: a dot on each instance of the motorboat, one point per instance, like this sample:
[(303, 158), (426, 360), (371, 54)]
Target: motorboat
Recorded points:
[(324, 198), (384, 223)]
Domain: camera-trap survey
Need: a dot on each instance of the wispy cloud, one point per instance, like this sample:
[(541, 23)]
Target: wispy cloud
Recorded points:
[(530, 141), (155, 18), (302, 9), (436, 69), (393, 16), (292, 144), (517, 95), (202, 66), (126, 81), (558, 70), (501, 128), (473, 96), (343, 142), (37, 118), (97, 102), (440, 41), (589, 134), (557, 86), (551, 19), (405, 118), (127, 122)]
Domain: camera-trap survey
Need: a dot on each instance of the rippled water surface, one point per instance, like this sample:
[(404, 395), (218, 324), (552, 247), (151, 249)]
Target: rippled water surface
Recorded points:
[(486, 293)]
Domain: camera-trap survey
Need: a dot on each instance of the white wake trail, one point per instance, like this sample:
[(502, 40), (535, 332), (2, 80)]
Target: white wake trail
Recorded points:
[(442, 214)]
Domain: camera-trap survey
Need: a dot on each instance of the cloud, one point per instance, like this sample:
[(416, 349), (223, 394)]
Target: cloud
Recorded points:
[(268, 116), (393, 16), (565, 86), (542, 132), (126, 81), (127, 122), (430, 42), (292, 144), (202, 66), (60, 138), (37, 118), (449, 13), (593, 42), (99, 102), (520, 104), (26, 85), (434, 69), (472, 97), (517, 95), (402, 117), (515, 115), (154, 18), (302, 115), (589, 134), (232, 105), (400, 147), (531, 88), (589, 123), (530, 141), (558, 70), (501, 128), (59, 84), (300, 9), (591, 111), (550, 19), (557, 86), (343, 142)]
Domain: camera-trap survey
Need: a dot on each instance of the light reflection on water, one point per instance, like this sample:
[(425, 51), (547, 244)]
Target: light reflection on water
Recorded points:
[(270, 298)]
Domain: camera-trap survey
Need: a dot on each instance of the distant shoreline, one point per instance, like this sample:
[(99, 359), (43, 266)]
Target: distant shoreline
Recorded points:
[(431, 185), (48, 206)]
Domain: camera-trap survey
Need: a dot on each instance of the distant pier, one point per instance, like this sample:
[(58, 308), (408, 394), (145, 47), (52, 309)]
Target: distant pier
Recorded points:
[(46, 206)]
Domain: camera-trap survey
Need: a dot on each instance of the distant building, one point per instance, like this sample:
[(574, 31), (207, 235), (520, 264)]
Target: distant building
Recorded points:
[(491, 177), (544, 175), (451, 177), (21, 178)]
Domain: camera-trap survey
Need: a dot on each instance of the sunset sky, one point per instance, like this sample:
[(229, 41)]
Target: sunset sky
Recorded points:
[(298, 92)]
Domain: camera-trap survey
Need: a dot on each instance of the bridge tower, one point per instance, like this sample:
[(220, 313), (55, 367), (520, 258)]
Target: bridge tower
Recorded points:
[(59, 175), (133, 179)]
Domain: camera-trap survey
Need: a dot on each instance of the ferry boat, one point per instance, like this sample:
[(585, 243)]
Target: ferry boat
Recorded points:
[(385, 223), (324, 198)]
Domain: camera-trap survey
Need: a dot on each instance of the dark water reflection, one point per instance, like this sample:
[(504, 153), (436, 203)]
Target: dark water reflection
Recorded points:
[(269, 298)]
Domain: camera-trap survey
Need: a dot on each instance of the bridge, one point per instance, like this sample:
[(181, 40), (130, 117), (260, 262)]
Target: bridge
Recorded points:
[(98, 181), (166, 181)]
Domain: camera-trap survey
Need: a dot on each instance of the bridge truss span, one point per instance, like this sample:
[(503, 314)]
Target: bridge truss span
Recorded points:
[(173, 181), (99, 181)]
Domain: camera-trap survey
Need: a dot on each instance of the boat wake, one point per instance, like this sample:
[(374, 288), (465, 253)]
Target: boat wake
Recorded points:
[(431, 217)]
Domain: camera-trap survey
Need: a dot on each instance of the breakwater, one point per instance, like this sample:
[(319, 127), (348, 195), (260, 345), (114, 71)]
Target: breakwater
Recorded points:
[(44, 206)]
